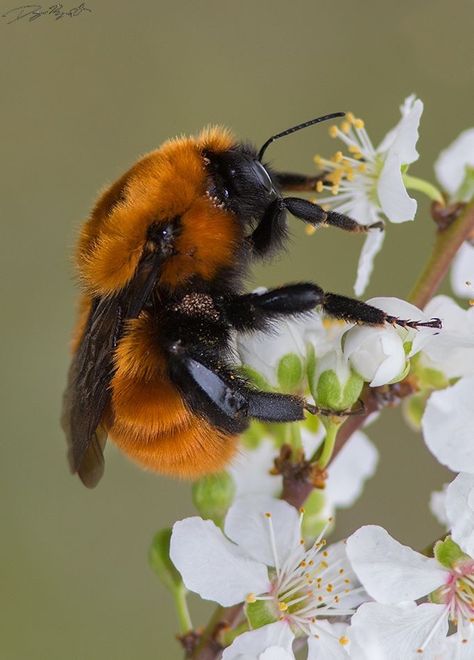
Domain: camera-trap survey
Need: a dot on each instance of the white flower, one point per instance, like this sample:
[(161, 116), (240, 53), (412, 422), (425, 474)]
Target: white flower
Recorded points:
[(462, 272), (378, 353), (394, 574), (368, 184), (448, 425), (451, 351), (452, 163), (263, 559)]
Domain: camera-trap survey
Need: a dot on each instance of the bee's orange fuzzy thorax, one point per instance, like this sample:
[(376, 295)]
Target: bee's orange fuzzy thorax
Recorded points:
[(166, 183)]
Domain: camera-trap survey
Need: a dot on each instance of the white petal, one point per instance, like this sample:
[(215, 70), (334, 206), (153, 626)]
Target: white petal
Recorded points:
[(377, 354), (448, 425), (389, 571), (388, 632), (247, 525), (404, 136), (460, 511), (251, 645), (212, 566), (438, 506), (451, 163), (462, 272), (324, 644), (452, 349), (372, 246), (250, 470), (394, 200), (355, 463)]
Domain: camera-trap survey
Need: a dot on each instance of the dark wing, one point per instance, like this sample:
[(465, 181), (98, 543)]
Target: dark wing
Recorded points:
[(88, 390)]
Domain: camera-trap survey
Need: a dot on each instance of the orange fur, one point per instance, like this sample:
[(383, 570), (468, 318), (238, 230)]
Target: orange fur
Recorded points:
[(167, 182), (148, 418)]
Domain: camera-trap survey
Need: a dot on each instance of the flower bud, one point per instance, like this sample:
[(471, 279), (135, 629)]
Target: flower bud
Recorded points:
[(213, 495), (160, 562), (376, 354), (332, 382)]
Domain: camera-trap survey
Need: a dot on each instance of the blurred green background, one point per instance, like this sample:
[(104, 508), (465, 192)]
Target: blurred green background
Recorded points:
[(81, 99)]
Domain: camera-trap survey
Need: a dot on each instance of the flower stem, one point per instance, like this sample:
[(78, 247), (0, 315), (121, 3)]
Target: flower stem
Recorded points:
[(181, 604), (448, 241), (427, 188), (332, 428)]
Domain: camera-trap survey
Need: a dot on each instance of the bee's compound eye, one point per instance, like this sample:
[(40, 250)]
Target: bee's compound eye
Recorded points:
[(263, 176)]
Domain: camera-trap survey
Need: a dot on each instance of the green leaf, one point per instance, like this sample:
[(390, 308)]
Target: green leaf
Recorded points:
[(160, 562), (260, 613), (213, 495), (289, 372), (448, 553)]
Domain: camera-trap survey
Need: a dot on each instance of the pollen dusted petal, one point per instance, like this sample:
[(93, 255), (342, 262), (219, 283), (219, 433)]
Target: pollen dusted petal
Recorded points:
[(212, 566)]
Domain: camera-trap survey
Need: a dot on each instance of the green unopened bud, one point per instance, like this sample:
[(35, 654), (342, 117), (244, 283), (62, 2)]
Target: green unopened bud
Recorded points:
[(159, 559), (315, 514), (260, 612), (448, 553), (289, 372), (213, 495), (331, 393)]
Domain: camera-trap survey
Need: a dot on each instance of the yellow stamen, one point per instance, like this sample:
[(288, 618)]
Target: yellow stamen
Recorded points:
[(310, 230), (350, 117), (359, 123), (345, 127), (250, 598), (343, 640), (319, 186), (282, 606), (333, 131)]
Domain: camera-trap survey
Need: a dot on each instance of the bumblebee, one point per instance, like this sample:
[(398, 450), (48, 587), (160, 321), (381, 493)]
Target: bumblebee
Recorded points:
[(161, 261)]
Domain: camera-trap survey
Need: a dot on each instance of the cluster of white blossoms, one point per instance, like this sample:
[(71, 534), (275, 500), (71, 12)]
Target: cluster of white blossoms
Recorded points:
[(368, 598)]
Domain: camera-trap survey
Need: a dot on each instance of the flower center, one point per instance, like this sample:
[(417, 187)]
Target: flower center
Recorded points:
[(308, 584)]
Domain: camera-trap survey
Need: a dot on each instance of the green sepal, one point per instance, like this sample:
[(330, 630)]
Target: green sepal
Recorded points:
[(448, 553), (289, 372), (428, 378), (312, 423), (160, 562), (260, 613), (331, 394), (213, 495)]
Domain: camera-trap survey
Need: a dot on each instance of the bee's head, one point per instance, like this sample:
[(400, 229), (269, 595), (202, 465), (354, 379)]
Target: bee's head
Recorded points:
[(238, 182)]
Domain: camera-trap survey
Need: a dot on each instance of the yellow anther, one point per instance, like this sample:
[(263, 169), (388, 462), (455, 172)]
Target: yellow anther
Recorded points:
[(336, 599), (353, 149), (335, 189), (320, 599), (350, 117), (318, 160), (324, 564), (341, 571), (303, 564), (302, 509), (268, 515), (343, 640), (250, 598), (345, 127), (465, 641), (311, 562), (338, 157), (282, 606), (329, 588), (419, 650), (316, 636), (359, 123), (333, 131), (325, 553), (319, 186), (301, 541), (310, 230), (361, 168), (347, 581)]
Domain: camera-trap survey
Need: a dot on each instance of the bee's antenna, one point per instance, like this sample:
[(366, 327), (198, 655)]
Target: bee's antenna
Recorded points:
[(297, 128)]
